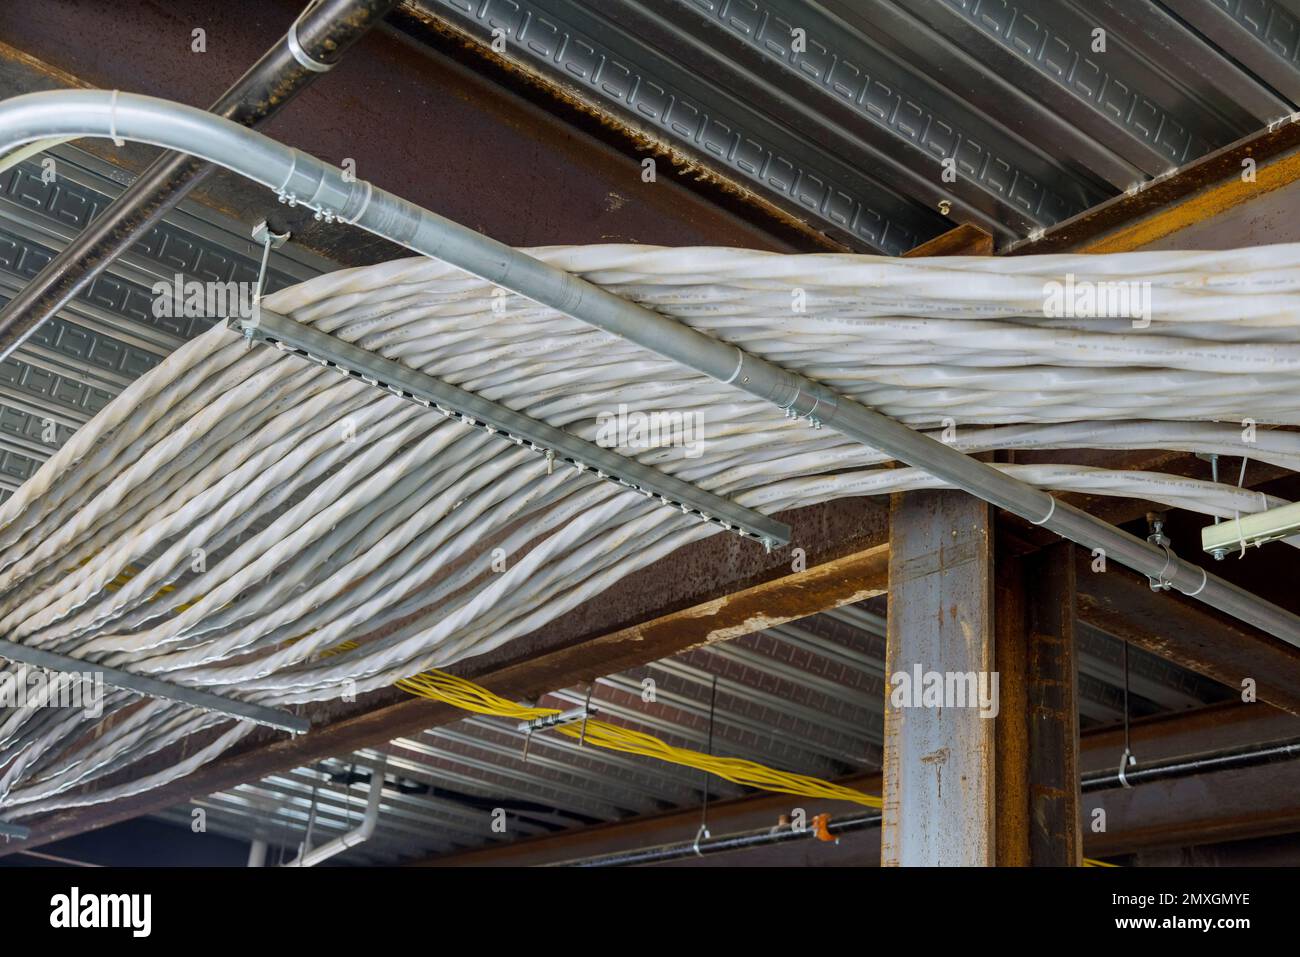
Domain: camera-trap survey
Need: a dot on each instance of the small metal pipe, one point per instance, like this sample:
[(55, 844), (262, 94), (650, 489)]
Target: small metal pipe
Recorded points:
[(313, 44), (743, 840), (1233, 759), (300, 178), (358, 835)]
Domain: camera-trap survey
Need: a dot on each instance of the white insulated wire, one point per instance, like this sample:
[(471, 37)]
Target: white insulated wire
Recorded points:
[(327, 510)]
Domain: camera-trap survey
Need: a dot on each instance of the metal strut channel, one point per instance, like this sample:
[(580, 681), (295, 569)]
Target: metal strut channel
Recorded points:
[(153, 688), (474, 410)]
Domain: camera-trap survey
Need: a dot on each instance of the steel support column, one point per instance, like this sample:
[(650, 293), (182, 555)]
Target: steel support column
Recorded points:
[(1037, 758), (1054, 835), (939, 759)]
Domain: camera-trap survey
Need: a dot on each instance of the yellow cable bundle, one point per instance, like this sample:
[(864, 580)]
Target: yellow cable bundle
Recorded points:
[(449, 689), (735, 770), (440, 686)]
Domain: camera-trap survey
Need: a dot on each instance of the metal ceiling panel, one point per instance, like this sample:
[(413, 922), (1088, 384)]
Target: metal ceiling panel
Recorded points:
[(848, 113), (689, 105), (1116, 99), (1262, 35)]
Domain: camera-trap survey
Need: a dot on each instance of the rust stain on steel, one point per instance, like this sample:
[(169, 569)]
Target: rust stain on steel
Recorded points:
[(939, 769), (707, 570), (639, 137), (1011, 730), (964, 240), (1055, 838), (1187, 633), (1198, 207), (61, 78), (1196, 192), (841, 581), (936, 757), (444, 133)]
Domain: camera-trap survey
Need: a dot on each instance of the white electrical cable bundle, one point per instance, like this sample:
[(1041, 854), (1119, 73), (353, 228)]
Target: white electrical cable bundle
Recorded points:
[(286, 509)]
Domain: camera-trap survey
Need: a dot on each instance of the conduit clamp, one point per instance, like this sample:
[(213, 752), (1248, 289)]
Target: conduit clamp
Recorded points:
[(1126, 761), (701, 835), (1158, 537)]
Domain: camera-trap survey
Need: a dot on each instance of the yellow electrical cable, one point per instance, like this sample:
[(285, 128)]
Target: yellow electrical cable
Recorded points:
[(468, 696), (440, 686)]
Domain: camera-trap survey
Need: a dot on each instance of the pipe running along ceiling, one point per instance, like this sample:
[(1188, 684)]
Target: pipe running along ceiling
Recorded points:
[(323, 506), (319, 507)]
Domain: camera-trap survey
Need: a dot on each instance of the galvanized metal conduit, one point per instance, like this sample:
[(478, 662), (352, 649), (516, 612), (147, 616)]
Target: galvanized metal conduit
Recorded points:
[(1231, 759), (1234, 759), (743, 840), (313, 45), (300, 178)]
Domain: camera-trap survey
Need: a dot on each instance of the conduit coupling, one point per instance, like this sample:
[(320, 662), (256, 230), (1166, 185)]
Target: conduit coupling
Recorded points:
[(297, 176), (800, 398)]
